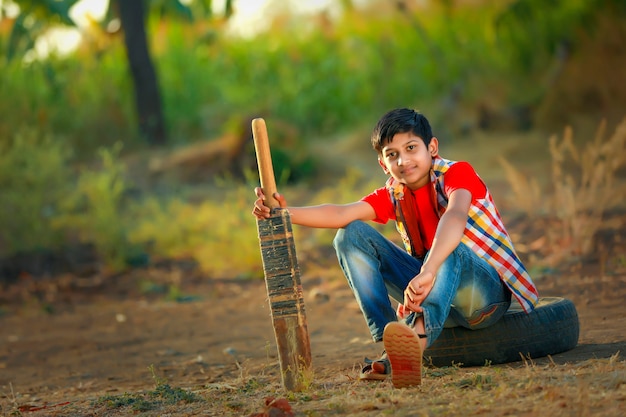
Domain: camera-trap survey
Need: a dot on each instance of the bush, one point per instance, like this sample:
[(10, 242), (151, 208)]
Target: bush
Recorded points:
[(218, 234), (34, 176), (94, 210)]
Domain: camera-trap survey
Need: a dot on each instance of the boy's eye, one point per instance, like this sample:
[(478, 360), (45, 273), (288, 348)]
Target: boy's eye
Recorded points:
[(391, 155), (411, 147)]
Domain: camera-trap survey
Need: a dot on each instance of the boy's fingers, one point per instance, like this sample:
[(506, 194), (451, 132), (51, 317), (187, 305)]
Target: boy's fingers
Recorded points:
[(411, 300), (412, 306), (415, 289), (259, 192), (260, 210), (281, 200)]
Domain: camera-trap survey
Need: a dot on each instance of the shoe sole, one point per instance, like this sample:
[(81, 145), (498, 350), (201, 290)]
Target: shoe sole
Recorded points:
[(405, 355)]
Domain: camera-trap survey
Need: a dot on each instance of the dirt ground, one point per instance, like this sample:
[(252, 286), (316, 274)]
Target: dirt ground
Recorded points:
[(69, 340)]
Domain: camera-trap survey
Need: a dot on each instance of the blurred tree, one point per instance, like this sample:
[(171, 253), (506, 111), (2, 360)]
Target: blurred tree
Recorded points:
[(34, 18), (538, 27), (147, 94), (37, 16)]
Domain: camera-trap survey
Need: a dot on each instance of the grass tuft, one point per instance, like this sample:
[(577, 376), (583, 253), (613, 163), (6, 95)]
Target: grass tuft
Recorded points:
[(161, 396)]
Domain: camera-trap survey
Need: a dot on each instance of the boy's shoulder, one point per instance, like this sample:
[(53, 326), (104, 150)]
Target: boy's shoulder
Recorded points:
[(442, 165)]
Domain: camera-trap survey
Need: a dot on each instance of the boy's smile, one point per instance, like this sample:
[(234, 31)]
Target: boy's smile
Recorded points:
[(408, 160)]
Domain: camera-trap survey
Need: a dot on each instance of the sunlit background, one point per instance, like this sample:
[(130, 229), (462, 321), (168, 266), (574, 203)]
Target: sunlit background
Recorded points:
[(122, 145), (250, 18)]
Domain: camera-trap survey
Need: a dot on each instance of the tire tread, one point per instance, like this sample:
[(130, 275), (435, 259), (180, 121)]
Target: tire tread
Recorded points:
[(550, 329)]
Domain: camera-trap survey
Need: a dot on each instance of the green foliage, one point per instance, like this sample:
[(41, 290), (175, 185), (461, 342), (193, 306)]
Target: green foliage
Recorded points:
[(319, 83), (218, 234), (34, 175), (86, 101), (317, 78), (536, 32), (537, 37), (33, 20), (44, 207), (94, 210)]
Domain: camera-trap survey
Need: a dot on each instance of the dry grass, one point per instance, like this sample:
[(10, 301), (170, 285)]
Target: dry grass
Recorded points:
[(584, 185), (526, 190), (583, 196), (595, 387)]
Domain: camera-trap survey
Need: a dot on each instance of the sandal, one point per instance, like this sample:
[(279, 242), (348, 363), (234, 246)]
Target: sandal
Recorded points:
[(376, 370)]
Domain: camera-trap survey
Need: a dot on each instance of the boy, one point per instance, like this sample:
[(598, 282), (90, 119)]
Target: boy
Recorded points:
[(459, 267)]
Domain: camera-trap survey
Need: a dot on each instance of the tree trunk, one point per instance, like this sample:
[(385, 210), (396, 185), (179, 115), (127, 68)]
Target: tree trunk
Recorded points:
[(147, 94)]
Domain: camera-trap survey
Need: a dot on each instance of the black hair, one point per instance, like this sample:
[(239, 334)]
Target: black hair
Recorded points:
[(400, 121)]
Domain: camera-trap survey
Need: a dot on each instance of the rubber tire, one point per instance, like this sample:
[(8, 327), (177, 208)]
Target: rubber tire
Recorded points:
[(551, 328)]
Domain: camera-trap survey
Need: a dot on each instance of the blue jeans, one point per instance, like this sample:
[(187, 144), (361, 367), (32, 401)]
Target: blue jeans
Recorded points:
[(467, 292)]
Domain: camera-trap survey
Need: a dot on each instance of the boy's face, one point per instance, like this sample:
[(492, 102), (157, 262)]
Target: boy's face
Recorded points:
[(408, 160)]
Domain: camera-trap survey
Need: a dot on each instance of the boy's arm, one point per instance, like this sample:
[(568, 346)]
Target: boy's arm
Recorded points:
[(447, 237), (331, 216)]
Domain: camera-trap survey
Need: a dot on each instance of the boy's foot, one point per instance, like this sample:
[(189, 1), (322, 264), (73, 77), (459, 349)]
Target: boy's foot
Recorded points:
[(376, 370), (405, 354)]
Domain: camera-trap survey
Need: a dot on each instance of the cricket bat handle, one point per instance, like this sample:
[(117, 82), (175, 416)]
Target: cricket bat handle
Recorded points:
[(264, 161)]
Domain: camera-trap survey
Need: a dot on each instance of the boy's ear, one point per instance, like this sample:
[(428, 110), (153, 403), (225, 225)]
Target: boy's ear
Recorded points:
[(433, 147), (382, 165)]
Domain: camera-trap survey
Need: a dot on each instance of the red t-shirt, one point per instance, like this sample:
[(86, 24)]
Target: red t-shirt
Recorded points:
[(461, 175)]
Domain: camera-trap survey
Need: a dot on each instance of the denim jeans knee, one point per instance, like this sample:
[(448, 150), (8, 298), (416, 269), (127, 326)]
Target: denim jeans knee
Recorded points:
[(467, 291), (376, 269), (482, 317), (481, 298)]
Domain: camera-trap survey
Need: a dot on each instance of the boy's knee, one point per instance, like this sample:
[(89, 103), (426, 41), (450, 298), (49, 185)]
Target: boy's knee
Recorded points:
[(339, 238), (345, 233)]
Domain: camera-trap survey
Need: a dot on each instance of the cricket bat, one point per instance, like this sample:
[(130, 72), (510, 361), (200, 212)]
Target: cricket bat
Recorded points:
[(282, 274)]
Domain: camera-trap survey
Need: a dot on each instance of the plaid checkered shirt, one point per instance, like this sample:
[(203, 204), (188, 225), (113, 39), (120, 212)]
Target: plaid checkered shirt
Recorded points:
[(484, 234)]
